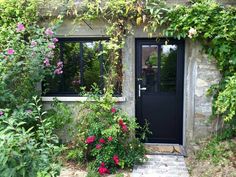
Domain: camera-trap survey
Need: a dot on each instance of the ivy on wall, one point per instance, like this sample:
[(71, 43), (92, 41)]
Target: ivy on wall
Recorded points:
[(207, 21), (210, 23)]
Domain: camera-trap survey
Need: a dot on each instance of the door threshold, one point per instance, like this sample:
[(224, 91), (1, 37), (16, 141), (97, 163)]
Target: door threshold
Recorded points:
[(165, 149)]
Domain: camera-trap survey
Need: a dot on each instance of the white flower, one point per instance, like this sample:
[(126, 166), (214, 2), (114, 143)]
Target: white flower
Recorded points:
[(192, 32)]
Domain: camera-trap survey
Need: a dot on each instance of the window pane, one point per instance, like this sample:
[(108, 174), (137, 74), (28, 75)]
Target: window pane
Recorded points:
[(117, 81), (91, 60), (149, 67), (69, 80), (84, 63), (168, 68), (71, 71)]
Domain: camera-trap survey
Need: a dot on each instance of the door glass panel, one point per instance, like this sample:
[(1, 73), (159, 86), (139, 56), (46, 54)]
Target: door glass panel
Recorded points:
[(149, 67), (168, 68)]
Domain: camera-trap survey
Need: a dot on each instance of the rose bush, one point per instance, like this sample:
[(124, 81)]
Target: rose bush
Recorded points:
[(105, 138)]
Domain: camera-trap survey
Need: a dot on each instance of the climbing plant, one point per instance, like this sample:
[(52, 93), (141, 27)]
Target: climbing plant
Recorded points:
[(207, 21)]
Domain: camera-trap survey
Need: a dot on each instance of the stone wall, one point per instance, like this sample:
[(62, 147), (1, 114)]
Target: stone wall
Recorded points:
[(200, 74)]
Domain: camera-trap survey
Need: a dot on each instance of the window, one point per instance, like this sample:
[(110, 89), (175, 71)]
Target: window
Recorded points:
[(84, 64)]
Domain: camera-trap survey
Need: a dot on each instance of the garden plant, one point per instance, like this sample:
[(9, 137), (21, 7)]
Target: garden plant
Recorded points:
[(105, 137)]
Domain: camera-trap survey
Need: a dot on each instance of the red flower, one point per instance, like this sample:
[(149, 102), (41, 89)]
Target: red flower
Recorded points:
[(109, 138), (90, 139), (113, 110), (121, 123), (102, 141), (102, 169), (116, 159), (124, 128), (98, 146)]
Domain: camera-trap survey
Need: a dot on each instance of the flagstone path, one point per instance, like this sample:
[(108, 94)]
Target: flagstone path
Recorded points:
[(156, 166), (162, 166)]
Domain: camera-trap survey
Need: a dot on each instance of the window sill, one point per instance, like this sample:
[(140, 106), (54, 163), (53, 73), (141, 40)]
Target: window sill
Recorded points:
[(74, 99)]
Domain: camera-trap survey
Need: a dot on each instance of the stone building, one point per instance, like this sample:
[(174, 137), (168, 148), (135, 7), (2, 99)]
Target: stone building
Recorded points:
[(173, 99)]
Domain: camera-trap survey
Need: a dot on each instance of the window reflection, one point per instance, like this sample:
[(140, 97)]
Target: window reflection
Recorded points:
[(168, 68), (149, 67)]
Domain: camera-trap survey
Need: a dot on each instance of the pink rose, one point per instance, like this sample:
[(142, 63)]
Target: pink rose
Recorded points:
[(102, 141), (109, 138), (46, 62), (1, 113), (20, 27), (121, 123), (90, 139), (113, 110), (98, 146), (116, 159), (124, 128), (54, 40), (102, 169), (49, 32), (33, 43), (51, 46), (10, 51)]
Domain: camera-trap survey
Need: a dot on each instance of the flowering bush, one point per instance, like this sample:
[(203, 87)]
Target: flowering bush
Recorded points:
[(26, 51), (28, 144), (105, 137)]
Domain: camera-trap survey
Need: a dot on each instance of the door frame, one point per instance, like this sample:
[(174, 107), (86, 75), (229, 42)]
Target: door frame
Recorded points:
[(182, 53)]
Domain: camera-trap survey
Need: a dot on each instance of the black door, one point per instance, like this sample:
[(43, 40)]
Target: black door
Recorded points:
[(159, 88)]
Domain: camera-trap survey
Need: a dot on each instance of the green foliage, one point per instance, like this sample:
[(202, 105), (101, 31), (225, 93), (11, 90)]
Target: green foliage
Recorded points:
[(59, 115), (225, 103), (215, 29), (102, 121), (218, 151), (21, 70), (205, 20), (28, 151)]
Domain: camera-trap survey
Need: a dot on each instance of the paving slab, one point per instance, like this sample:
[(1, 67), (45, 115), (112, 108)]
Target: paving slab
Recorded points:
[(162, 166)]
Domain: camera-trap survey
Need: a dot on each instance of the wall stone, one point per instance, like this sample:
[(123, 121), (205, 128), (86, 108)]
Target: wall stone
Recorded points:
[(207, 75)]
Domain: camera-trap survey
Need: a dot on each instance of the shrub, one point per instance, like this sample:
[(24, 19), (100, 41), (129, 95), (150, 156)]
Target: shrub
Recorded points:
[(28, 151), (105, 137)]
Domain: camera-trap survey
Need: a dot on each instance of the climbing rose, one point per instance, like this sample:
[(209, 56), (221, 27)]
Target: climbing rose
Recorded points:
[(116, 159), (20, 27), (33, 43), (192, 32), (113, 110), (51, 46), (102, 141), (58, 71), (98, 146), (46, 62), (10, 51), (102, 169), (1, 113), (59, 68), (109, 138), (54, 40), (90, 139), (49, 32), (60, 64)]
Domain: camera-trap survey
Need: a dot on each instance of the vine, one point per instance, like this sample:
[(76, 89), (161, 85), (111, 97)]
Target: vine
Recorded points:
[(207, 21)]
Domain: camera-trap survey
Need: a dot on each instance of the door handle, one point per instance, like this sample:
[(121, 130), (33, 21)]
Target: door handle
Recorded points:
[(140, 89)]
